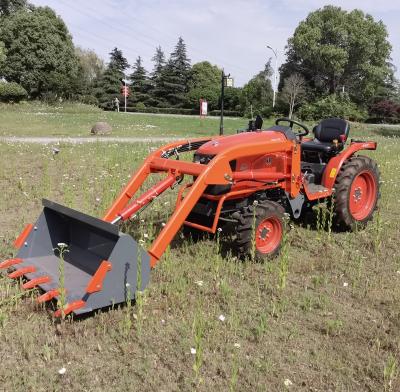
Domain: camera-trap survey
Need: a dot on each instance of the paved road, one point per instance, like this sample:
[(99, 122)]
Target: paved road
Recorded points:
[(81, 140)]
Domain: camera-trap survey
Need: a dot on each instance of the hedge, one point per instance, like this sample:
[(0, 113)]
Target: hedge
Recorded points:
[(149, 109)]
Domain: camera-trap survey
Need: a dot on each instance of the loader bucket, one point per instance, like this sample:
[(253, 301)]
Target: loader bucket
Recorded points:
[(99, 268)]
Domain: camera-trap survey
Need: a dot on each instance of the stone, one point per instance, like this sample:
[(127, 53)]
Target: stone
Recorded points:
[(101, 128)]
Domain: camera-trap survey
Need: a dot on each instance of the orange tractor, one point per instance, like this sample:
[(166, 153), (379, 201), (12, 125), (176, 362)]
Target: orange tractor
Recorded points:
[(247, 181)]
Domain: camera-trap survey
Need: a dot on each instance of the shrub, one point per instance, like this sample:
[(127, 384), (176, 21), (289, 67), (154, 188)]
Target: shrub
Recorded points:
[(228, 113), (12, 92), (138, 109), (140, 105), (385, 111), (88, 100), (332, 106)]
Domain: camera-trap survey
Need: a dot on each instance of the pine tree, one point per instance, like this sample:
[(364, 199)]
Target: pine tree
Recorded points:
[(118, 61), (157, 95), (140, 84), (108, 87), (175, 76)]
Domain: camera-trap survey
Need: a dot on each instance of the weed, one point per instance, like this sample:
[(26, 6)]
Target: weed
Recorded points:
[(333, 327), (389, 372), (283, 257), (261, 327), (234, 373), (126, 322), (378, 231), (198, 330), (225, 290), (62, 249), (253, 232), (331, 213)]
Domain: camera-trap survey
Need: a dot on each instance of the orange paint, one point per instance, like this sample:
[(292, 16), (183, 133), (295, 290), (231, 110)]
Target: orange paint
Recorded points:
[(96, 283), (23, 236)]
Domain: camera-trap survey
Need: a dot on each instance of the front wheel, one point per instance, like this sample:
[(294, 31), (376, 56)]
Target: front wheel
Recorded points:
[(259, 230), (356, 192)]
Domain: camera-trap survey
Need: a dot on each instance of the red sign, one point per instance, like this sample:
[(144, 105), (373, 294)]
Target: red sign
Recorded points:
[(203, 107), (125, 91)]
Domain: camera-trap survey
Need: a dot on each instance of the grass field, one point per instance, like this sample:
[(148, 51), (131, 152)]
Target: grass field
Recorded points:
[(77, 120), (335, 326)]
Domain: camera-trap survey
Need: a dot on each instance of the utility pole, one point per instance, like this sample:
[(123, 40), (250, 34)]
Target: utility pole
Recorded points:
[(223, 81), (275, 52)]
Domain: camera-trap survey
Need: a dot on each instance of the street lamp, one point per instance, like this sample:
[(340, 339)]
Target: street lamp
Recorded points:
[(275, 52)]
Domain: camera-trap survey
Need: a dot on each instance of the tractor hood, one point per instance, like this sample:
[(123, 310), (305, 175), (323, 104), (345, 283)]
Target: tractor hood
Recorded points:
[(219, 144)]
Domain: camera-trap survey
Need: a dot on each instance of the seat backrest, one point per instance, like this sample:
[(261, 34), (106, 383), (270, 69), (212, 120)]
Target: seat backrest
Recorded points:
[(332, 128)]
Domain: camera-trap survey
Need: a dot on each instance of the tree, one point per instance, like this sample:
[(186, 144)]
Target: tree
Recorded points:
[(333, 48), (175, 76), (157, 96), (204, 83), (293, 91), (92, 66), (140, 84), (8, 7), (2, 53), (118, 61), (232, 99), (40, 52), (108, 86), (257, 93)]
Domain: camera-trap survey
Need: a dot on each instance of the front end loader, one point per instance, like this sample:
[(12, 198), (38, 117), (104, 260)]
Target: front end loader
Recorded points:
[(245, 182)]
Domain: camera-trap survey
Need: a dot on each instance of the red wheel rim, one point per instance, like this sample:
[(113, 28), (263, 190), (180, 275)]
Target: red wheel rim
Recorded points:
[(362, 195), (268, 235)]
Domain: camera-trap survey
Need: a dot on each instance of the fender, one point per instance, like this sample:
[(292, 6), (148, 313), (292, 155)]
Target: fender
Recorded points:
[(333, 167)]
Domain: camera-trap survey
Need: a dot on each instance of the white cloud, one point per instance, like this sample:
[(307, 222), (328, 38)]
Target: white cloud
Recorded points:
[(230, 34)]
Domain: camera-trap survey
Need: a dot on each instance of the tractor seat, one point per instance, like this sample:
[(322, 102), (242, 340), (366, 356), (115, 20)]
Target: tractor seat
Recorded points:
[(325, 133)]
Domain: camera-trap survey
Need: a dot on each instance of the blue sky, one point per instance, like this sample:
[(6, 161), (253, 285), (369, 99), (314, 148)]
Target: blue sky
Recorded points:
[(232, 34)]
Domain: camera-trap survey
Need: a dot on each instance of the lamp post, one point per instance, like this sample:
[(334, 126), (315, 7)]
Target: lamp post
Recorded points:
[(226, 81), (275, 52)]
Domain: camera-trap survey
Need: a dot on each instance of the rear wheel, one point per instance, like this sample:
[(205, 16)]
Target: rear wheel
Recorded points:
[(356, 191), (260, 230)]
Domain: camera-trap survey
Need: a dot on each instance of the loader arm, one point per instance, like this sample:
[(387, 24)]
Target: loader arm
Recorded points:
[(217, 172)]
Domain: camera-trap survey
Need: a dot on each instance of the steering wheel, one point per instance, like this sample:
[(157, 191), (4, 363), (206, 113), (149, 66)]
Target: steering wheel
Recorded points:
[(291, 123)]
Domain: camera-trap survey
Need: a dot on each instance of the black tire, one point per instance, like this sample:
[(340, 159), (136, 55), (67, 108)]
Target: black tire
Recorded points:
[(251, 218), (351, 171)]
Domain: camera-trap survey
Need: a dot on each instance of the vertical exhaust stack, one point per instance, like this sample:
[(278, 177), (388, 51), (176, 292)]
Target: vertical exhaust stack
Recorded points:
[(99, 264)]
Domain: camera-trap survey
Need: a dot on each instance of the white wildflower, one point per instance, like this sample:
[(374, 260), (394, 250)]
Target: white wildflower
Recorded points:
[(192, 351), (199, 283), (345, 284), (62, 245), (237, 345), (221, 317), (145, 235), (62, 371), (287, 382)]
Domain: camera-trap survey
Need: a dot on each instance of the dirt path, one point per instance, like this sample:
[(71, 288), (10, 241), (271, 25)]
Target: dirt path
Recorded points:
[(81, 140)]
